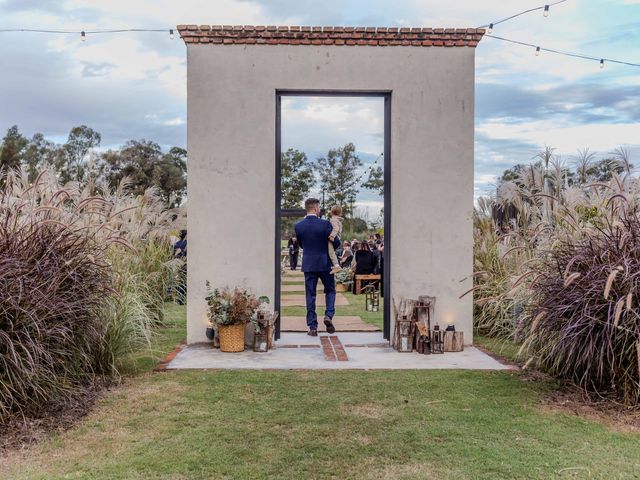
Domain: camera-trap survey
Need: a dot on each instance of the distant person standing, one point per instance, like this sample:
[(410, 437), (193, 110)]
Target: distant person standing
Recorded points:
[(180, 247), (180, 251), (294, 252)]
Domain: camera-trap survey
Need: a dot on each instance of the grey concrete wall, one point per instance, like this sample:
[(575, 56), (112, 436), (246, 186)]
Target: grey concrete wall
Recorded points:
[(231, 144)]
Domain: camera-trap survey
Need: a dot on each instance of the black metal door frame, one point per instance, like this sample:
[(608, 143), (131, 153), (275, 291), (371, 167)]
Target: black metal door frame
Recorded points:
[(386, 95)]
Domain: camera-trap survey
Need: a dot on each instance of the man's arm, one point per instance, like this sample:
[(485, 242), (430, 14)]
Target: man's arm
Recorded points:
[(299, 237)]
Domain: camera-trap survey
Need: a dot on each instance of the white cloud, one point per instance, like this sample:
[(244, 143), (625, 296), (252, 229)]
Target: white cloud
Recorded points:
[(566, 138), (174, 121), (315, 124)]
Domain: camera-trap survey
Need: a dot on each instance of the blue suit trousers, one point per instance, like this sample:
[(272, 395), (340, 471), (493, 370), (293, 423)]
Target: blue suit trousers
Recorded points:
[(310, 286)]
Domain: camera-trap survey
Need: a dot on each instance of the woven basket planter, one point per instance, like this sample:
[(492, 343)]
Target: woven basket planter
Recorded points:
[(341, 287), (231, 338)]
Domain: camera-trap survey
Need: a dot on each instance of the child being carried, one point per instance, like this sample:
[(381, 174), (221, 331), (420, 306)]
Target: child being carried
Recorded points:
[(336, 223)]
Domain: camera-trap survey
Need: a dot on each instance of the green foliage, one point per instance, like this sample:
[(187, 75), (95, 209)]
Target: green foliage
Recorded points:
[(13, 145), (141, 161), (375, 180), (297, 178), (81, 140), (337, 171), (355, 227), (144, 165), (228, 306)]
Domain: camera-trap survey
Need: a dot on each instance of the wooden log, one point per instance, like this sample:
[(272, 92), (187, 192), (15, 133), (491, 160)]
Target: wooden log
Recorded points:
[(271, 330), (404, 331), (453, 341)]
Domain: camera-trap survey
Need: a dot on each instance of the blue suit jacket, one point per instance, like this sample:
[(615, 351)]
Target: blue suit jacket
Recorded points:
[(313, 236)]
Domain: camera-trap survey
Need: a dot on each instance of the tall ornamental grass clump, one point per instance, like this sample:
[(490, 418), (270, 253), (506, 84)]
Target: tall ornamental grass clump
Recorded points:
[(53, 279), (584, 321), (565, 280), (80, 286)]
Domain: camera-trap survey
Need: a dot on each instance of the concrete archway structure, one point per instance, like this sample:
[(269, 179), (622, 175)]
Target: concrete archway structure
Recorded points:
[(233, 76)]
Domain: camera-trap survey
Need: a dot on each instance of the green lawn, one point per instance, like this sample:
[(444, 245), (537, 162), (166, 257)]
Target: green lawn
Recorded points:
[(326, 424)]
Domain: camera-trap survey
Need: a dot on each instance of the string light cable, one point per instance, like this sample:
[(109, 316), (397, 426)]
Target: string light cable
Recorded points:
[(538, 49), (83, 33), (544, 8)]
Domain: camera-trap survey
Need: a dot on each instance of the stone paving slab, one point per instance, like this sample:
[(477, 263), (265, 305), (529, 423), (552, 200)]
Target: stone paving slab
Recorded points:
[(286, 356), (342, 324), (300, 301)]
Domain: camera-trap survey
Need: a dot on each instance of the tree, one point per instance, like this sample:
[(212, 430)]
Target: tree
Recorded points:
[(40, 153), (144, 164), (170, 176), (603, 170), (337, 172), (81, 140), (375, 180), (297, 178), (13, 145)]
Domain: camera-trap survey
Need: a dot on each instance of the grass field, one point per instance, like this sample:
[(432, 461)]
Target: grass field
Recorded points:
[(324, 424)]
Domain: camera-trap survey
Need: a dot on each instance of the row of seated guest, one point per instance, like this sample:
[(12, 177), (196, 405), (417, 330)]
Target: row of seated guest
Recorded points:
[(364, 258)]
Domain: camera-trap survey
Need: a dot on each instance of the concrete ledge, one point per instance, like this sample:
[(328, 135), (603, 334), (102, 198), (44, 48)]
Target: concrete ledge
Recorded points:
[(299, 355)]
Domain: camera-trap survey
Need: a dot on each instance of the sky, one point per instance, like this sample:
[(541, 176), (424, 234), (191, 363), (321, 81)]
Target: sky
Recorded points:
[(134, 85)]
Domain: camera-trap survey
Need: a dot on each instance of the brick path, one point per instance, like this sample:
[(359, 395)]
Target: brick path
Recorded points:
[(333, 349)]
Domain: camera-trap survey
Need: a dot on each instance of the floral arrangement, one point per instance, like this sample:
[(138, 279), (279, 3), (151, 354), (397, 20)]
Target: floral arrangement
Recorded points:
[(228, 306), (344, 276)]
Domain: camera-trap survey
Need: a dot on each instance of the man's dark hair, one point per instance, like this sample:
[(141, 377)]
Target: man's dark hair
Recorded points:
[(310, 202)]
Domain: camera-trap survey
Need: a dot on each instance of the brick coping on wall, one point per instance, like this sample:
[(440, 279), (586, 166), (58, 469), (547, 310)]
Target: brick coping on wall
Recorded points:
[(366, 36)]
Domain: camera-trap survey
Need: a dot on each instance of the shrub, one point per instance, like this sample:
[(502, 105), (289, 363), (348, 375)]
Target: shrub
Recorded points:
[(53, 281), (82, 280), (585, 322), (564, 281)]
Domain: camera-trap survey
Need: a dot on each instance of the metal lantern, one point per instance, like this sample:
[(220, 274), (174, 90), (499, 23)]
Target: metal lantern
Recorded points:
[(210, 333), (261, 342), (372, 298), (426, 345), (437, 339)]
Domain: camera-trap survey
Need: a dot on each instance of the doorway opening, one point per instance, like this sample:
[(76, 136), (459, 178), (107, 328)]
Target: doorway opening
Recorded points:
[(335, 146)]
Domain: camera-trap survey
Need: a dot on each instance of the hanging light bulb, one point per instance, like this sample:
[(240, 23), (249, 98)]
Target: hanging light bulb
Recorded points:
[(83, 36), (546, 11), (602, 63), (490, 30), (171, 34), (537, 51)]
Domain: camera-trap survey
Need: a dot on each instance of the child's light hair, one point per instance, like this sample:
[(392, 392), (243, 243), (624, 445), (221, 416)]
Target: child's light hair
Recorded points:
[(336, 210)]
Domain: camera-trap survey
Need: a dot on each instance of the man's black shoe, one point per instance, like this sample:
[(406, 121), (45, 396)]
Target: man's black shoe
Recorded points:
[(329, 324), (312, 333)]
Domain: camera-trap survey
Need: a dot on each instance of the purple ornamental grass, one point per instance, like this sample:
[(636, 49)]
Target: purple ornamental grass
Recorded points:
[(52, 283), (585, 320)]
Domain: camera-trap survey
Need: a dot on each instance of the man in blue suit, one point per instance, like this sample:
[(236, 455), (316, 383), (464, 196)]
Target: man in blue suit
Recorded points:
[(313, 237)]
